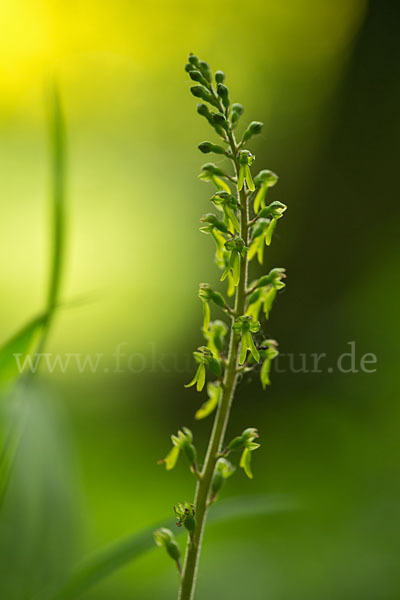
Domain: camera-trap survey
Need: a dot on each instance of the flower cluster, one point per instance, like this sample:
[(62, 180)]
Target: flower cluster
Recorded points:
[(242, 228)]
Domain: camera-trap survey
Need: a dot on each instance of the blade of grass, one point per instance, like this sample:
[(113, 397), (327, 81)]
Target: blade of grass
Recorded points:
[(107, 561), (58, 202), (34, 334), (22, 343)]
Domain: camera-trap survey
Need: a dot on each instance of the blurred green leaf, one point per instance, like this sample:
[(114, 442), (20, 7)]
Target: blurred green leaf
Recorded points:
[(22, 343), (106, 561)]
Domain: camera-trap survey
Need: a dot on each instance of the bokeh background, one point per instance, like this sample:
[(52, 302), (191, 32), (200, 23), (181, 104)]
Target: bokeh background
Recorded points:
[(324, 78)]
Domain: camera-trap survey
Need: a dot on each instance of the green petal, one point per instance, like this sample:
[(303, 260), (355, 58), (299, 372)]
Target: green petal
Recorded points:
[(195, 378), (236, 269), (201, 377), (264, 373), (249, 179), (231, 285), (225, 273), (233, 218), (252, 250), (221, 185), (259, 200), (219, 242), (214, 393), (268, 301), (244, 347), (171, 458), (254, 310), (252, 348), (270, 231), (242, 172), (260, 250), (206, 316), (245, 463)]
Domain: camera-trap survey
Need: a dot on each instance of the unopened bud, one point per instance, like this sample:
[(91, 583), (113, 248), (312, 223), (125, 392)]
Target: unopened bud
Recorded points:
[(197, 76), (223, 93), (205, 69), (200, 92), (236, 112), (207, 147), (164, 538), (254, 128), (193, 59), (220, 77), (219, 120)]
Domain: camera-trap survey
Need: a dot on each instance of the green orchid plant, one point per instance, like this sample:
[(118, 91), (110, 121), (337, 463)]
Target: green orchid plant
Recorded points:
[(242, 229)]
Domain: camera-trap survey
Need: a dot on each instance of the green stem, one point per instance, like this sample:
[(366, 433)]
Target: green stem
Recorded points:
[(58, 150), (189, 576)]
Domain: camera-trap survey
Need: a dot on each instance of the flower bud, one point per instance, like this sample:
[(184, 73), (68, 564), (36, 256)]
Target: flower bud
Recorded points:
[(254, 128), (193, 60), (214, 391), (219, 76), (223, 471), (164, 538), (219, 120), (223, 93), (200, 92), (207, 147), (236, 112), (205, 69), (197, 76)]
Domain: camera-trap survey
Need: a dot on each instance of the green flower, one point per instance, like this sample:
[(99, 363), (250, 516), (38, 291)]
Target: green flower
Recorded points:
[(264, 229), (264, 294), (229, 205), (210, 172), (268, 351), (216, 228), (245, 326), (274, 278), (214, 391), (246, 443), (216, 337), (237, 248), (204, 357), (264, 180), (246, 159), (181, 442), (185, 513), (223, 263), (207, 294)]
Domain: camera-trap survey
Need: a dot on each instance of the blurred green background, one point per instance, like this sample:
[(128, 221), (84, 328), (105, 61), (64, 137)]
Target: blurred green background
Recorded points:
[(324, 78)]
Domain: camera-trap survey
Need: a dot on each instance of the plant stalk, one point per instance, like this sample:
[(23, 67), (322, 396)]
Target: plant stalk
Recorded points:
[(193, 550)]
